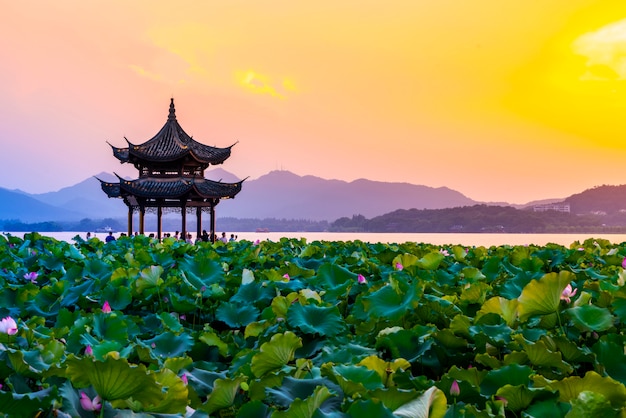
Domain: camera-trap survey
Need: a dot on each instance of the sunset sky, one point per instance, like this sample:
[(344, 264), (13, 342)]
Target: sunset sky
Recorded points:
[(501, 100)]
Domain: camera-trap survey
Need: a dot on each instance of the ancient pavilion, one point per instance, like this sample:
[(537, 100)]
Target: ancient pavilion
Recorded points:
[(171, 177)]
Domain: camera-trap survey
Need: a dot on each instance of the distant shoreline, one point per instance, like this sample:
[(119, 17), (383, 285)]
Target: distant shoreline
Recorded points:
[(463, 238)]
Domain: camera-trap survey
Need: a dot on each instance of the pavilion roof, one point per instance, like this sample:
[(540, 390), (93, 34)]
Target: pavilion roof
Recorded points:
[(171, 188), (171, 143)]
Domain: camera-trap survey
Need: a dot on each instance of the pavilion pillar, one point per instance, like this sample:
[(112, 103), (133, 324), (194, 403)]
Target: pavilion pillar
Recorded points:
[(130, 221), (212, 212), (183, 227), (159, 225), (142, 216), (198, 221)]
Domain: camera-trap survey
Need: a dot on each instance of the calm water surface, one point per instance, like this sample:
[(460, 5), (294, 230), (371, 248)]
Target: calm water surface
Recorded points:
[(486, 240)]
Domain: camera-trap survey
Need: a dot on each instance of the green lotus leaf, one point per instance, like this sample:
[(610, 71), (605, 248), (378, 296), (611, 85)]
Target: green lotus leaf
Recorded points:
[(201, 272), (101, 350), (475, 293), (313, 319), (118, 296), (115, 379), (542, 297), (385, 369), (253, 409), (292, 389), (213, 340), (431, 404), (111, 327), (176, 364), (253, 294), (97, 269), (402, 343), (387, 303), (276, 353), (73, 294), (609, 351), (514, 375), (26, 404), (235, 315), (305, 408), (170, 321), (591, 317), (176, 394), (353, 379), (223, 394), (548, 408), (169, 345), (149, 278), (591, 404), (281, 304), (571, 387), (27, 363), (430, 261), (332, 276), (506, 308), (517, 397), (369, 408), (619, 308), (540, 355), (472, 375)]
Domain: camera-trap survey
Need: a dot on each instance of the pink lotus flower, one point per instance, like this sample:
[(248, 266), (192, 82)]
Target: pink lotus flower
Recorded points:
[(361, 279), (32, 276), (454, 389), (568, 293), (286, 277), (184, 379), (8, 326), (399, 266), (88, 351), (89, 404), (444, 252), (624, 263), (106, 308)]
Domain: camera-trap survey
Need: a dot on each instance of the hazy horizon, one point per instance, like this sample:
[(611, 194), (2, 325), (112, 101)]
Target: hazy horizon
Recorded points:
[(501, 101)]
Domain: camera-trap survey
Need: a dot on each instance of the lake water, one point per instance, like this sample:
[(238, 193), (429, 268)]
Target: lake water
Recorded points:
[(486, 240)]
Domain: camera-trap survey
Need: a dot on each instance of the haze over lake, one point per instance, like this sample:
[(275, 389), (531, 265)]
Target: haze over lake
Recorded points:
[(435, 239)]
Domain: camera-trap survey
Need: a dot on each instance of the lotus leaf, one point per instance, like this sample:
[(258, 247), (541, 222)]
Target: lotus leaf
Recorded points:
[(306, 408), (115, 379), (591, 318), (223, 394), (431, 404), (571, 387), (276, 353), (542, 297), (235, 315), (312, 319)]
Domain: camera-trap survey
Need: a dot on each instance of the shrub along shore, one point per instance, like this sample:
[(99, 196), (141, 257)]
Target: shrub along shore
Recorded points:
[(138, 328)]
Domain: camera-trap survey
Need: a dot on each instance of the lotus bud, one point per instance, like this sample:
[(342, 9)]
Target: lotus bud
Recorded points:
[(454, 389)]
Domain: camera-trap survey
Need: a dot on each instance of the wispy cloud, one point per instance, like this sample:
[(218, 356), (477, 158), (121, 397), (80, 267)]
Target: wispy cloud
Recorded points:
[(605, 50), (263, 84)]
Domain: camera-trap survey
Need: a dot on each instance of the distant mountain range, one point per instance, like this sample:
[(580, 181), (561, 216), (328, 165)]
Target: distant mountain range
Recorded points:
[(278, 194)]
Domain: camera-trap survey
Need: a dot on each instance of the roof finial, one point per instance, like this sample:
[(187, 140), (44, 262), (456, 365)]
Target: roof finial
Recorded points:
[(172, 115)]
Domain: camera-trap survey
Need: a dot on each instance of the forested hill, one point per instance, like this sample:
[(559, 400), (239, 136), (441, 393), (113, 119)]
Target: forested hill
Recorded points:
[(606, 199), (483, 218)]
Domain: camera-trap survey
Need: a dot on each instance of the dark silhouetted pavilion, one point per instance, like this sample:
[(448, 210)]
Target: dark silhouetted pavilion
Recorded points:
[(171, 177)]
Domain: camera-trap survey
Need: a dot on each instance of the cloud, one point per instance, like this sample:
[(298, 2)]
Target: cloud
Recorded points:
[(605, 50), (262, 84)]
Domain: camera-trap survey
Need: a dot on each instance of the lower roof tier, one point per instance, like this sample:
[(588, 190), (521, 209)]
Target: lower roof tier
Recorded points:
[(171, 188)]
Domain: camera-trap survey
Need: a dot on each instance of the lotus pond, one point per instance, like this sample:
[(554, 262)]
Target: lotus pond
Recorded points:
[(139, 328)]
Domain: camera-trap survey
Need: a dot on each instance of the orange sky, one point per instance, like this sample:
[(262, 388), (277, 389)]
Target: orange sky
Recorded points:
[(502, 100)]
